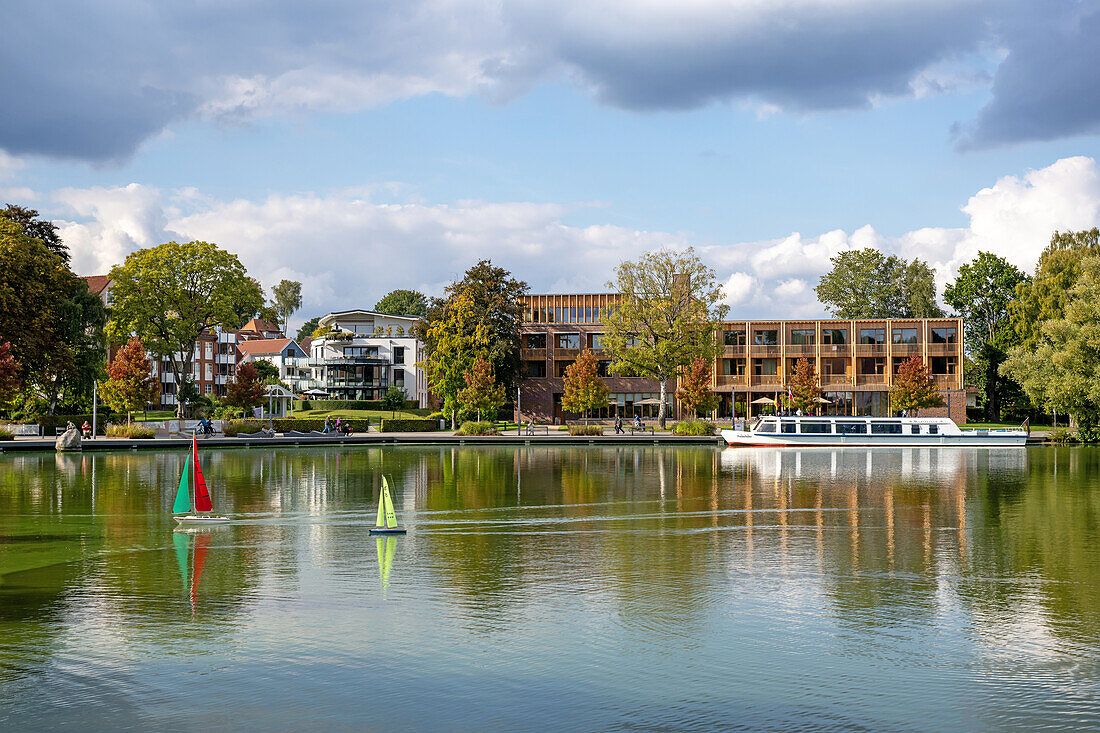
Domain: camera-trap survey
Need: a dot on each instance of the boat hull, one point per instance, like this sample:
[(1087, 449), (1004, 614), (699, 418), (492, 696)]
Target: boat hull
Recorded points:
[(802, 440), (387, 530), (200, 520)]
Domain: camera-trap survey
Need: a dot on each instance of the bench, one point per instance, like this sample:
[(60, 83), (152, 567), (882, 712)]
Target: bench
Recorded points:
[(644, 429), (531, 429)]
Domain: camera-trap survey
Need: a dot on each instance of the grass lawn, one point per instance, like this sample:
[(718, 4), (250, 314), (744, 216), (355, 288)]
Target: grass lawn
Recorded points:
[(154, 415), (374, 415)]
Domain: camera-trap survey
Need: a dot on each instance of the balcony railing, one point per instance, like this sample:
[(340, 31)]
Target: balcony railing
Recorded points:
[(870, 349), (943, 349), (948, 381), (902, 349), (728, 380), (760, 350), (836, 349), (348, 361), (801, 350), (532, 354), (735, 350), (566, 354), (768, 379), (871, 379), (836, 380)]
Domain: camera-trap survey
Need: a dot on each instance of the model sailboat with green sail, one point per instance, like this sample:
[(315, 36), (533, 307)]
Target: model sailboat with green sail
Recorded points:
[(387, 518), (199, 513)]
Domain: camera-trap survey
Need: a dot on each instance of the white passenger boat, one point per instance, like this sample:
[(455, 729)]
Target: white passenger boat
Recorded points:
[(870, 431)]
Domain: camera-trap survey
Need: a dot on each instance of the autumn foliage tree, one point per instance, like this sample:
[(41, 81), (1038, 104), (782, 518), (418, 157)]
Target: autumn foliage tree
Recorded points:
[(481, 392), (9, 373), (247, 390), (129, 383), (804, 386), (694, 390), (584, 389), (914, 387)]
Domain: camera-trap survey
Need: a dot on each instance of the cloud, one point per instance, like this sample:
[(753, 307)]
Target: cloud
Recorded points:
[(9, 167), (348, 250), (114, 74), (1047, 86)]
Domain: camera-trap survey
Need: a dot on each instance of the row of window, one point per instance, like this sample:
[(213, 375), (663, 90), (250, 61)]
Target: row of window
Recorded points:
[(372, 352), (843, 427), (568, 314), (838, 366), (839, 336)]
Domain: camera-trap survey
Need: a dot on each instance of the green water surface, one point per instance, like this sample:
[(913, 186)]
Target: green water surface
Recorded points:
[(550, 588)]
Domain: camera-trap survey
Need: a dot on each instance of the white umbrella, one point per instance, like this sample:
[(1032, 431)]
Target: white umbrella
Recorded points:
[(763, 401)]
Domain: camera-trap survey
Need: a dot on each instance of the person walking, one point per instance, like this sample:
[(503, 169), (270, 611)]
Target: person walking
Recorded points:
[(618, 425), (328, 426)]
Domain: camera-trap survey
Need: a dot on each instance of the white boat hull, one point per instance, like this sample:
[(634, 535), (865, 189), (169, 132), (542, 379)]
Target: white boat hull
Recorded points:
[(200, 520), (971, 439)]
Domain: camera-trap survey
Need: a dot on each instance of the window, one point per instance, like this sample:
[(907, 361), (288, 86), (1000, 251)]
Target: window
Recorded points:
[(898, 361), (399, 355), (768, 426), (933, 429), (788, 426), (562, 366), (536, 369), (603, 368), (803, 337), (834, 336), (568, 341), (817, 426), (886, 428), (872, 365), (198, 350), (595, 315), (399, 377), (733, 367), (209, 350), (851, 428), (765, 367), (872, 336), (595, 341), (943, 335), (368, 351), (734, 338), (534, 341), (766, 337), (905, 335), (209, 372), (209, 389), (834, 365), (944, 364)]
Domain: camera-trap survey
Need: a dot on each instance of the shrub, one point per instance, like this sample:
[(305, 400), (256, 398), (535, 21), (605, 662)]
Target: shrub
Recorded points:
[(477, 428), (694, 427), (586, 429), (1088, 434), (305, 405), (285, 425), (437, 415), (6, 434), (408, 426), (1062, 436), (131, 431)]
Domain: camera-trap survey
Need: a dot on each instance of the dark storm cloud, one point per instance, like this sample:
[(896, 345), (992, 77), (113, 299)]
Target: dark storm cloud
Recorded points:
[(93, 80), (1048, 86)]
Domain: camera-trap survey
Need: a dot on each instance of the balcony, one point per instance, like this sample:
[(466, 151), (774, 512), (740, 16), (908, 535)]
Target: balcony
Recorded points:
[(836, 380), (731, 380), (734, 350), (801, 350), (946, 381), (348, 361), (836, 349), (870, 349), (532, 354), (566, 354), (769, 350), (225, 359), (943, 349), (871, 380), (767, 379), (905, 349)]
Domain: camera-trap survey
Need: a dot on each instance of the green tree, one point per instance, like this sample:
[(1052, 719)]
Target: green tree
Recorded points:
[(914, 387), (129, 385), (169, 294), (865, 283), (693, 388), (246, 390), (804, 386), (307, 329), (1043, 297), (481, 392), (982, 293), (267, 371), (41, 229), (287, 300), (584, 390), (668, 313), (393, 400), (479, 316), (403, 303), (81, 353), (1062, 371)]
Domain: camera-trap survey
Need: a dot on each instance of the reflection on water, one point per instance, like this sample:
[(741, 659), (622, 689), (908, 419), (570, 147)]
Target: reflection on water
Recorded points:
[(578, 588)]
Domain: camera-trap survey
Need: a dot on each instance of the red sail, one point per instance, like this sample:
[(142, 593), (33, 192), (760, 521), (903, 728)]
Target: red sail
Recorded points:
[(202, 494)]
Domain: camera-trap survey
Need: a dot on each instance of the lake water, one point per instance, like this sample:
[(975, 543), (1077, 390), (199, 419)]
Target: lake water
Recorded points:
[(620, 588)]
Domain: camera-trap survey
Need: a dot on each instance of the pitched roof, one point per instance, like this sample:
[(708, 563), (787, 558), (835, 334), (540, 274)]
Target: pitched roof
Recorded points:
[(263, 346), (259, 325), (97, 283)]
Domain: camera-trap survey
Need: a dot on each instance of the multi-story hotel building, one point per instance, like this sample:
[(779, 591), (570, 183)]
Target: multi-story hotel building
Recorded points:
[(855, 360)]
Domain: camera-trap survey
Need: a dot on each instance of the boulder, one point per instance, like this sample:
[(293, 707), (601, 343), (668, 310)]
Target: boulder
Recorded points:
[(69, 440)]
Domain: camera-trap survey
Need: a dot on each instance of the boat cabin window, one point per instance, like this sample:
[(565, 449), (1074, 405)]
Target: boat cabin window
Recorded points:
[(931, 429), (767, 426), (851, 428), (816, 426), (886, 428), (789, 426)]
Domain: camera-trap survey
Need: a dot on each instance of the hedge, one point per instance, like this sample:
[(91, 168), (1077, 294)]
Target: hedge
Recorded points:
[(472, 427), (285, 425), (330, 405), (694, 427), (408, 426), (48, 422), (135, 430)]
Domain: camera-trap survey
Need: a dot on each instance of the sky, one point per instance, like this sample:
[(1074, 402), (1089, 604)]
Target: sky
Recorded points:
[(361, 147)]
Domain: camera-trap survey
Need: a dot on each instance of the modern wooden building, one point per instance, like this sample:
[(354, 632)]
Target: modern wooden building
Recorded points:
[(855, 360)]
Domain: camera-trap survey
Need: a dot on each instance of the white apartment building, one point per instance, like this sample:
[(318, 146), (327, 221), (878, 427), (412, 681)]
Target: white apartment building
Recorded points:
[(285, 354), (359, 354)]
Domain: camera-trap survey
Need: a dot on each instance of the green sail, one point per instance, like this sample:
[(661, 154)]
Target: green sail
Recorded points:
[(391, 518), (381, 520), (183, 496)]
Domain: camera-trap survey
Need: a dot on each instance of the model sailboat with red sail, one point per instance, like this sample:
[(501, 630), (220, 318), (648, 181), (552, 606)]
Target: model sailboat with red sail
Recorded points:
[(200, 513)]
